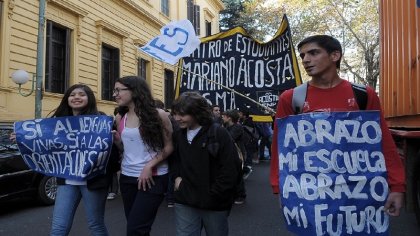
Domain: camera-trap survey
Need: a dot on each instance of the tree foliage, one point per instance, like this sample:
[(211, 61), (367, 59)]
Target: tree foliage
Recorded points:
[(230, 16), (354, 22)]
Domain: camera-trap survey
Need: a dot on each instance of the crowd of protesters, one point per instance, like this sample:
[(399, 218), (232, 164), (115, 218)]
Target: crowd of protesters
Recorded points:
[(197, 155)]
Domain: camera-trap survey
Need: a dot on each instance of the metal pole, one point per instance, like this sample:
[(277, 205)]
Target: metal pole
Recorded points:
[(40, 60)]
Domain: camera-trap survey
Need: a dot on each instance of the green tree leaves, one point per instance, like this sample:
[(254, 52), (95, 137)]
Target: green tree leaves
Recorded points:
[(354, 22)]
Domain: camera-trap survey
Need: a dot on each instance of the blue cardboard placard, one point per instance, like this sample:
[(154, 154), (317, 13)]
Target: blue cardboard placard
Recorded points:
[(332, 173), (73, 147)]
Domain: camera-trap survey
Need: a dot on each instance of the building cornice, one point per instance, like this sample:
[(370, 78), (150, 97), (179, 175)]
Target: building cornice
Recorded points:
[(75, 9), (101, 24), (135, 6), (208, 13), (218, 4), (110, 27)]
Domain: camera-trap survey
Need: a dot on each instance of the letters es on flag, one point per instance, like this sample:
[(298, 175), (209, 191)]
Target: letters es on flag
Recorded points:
[(332, 174), (234, 59), (73, 147), (177, 40)]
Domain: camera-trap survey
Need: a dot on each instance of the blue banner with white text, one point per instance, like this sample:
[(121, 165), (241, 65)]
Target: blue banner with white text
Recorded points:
[(332, 173), (73, 147)]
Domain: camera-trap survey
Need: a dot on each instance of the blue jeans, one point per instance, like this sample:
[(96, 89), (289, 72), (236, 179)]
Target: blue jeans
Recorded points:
[(189, 221), (66, 203), (265, 142)]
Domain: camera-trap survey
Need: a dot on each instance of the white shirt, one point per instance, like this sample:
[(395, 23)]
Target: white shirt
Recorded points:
[(191, 133), (137, 154)]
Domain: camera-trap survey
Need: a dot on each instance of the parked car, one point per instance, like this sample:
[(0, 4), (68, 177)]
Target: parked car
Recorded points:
[(16, 179)]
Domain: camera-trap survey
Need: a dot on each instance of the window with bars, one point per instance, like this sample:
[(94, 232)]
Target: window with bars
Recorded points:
[(110, 70), (193, 15), (169, 88), (208, 28), (164, 7), (57, 58), (142, 68)]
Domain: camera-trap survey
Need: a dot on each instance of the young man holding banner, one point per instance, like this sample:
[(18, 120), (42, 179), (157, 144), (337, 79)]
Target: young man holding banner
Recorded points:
[(334, 179)]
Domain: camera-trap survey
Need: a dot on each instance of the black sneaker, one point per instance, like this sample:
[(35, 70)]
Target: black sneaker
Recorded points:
[(239, 200), (111, 196), (247, 173)]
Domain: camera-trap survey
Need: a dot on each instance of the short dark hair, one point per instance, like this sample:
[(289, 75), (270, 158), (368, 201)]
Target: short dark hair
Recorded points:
[(245, 113), (159, 104), (329, 43), (233, 114), (195, 105)]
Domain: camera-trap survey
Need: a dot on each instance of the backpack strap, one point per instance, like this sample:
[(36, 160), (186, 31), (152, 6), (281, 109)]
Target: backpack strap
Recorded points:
[(360, 93), (212, 143), (299, 97)]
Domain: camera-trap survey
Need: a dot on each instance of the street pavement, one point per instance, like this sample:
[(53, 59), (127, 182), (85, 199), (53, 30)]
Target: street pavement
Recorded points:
[(259, 215)]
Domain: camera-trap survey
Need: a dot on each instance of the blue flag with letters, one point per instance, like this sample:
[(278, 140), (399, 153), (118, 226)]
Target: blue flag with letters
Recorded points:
[(332, 173), (73, 147)]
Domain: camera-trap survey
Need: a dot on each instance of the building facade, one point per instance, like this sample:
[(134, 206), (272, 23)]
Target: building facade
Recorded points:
[(91, 42)]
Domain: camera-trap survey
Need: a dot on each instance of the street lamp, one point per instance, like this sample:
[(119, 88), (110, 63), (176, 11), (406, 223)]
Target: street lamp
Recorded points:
[(22, 77)]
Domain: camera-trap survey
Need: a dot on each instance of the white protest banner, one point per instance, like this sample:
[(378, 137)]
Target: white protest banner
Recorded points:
[(72, 147), (332, 171), (177, 40)]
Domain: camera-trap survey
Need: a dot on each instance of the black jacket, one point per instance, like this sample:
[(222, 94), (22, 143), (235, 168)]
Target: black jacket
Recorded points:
[(239, 136), (208, 181)]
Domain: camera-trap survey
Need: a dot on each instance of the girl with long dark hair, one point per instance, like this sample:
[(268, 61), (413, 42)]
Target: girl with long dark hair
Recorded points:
[(79, 99), (145, 136)]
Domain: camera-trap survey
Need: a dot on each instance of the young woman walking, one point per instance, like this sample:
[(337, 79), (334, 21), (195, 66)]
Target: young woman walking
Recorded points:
[(79, 99), (145, 136)]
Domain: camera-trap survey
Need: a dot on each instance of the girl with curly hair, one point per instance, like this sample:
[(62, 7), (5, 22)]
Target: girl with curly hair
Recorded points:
[(145, 136)]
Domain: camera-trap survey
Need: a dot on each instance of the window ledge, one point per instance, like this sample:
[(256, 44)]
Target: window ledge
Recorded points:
[(112, 28), (69, 6), (142, 10)]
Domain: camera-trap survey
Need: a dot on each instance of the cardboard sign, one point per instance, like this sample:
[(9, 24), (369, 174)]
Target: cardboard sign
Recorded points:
[(73, 147), (332, 173)]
